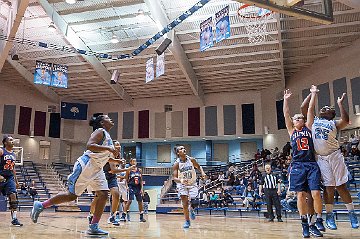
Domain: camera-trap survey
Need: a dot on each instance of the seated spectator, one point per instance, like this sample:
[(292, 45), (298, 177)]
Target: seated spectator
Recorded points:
[(355, 152), (230, 170), (202, 183), (213, 199), (290, 202), (32, 191), (23, 189), (203, 198), (231, 180), (354, 140), (221, 177), (248, 196), (275, 153), (238, 185), (228, 199)]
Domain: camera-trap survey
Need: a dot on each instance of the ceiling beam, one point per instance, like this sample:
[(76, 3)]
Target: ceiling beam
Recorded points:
[(76, 41), (277, 16), (351, 3), (45, 90), (176, 49), (16, 13), (99, 6)]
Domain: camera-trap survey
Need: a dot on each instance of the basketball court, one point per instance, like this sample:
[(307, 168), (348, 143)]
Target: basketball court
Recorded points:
[(104, 54), (73, 225)]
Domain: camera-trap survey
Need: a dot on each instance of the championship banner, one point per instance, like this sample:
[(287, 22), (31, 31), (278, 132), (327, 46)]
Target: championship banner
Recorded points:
[(160, 65), (206, 34), (222, 24), (59, 77), (149, 70), (42, 73), (75, 111)]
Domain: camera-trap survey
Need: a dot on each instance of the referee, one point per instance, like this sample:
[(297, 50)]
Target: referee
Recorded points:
[(271, 186)]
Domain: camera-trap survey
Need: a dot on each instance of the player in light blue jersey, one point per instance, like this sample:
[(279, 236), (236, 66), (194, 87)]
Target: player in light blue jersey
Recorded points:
[(331, 162)]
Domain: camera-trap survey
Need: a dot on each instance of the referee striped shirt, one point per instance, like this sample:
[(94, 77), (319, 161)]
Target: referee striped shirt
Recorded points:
[(270, 181)]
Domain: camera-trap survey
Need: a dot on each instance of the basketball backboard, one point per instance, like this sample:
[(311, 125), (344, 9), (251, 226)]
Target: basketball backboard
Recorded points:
[(320, 11)]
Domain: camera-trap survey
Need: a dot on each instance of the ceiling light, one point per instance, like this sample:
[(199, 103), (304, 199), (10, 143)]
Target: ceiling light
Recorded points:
[(70, 1), (52, 27), (114, 39)]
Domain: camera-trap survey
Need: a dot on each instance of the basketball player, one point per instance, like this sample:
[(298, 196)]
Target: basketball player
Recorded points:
[(331, 162), (304, 173), (134, 181), (8, 180), (88, 170), (110, 170), (123, 188), (185, 176)]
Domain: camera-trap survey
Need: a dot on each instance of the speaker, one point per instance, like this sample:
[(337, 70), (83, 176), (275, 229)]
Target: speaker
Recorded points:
[(163, 46), (115, 77)]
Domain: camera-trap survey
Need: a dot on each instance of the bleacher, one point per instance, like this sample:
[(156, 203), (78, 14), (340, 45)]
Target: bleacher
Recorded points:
[(258, 208), (27, 173)]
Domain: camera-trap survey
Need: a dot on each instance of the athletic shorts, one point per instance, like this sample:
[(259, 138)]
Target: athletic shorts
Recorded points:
[(304, 176), (135, 192), (112, 182), (8, 187), (123, 191), (190, 191), (333, 169), (86, 173)]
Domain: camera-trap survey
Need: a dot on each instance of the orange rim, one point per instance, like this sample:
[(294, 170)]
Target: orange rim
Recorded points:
[(246, 6)]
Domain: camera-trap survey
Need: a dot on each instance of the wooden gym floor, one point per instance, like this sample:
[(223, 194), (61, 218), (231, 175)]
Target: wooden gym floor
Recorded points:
[(73, 225)]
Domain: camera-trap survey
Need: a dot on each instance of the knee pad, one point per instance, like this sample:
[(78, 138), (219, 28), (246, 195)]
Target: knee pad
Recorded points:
[(13, 205)]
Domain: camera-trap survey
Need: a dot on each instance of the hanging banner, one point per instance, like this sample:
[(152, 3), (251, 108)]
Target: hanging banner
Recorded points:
[(222, 24), (160, 65), (206, 34), (42, 73), (149, 70), (59, 77)]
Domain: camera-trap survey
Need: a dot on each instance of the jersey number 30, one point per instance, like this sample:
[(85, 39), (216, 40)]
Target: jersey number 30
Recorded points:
[(302, 144)]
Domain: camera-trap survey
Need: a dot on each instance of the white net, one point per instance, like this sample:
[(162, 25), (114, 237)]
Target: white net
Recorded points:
[(255, 20)]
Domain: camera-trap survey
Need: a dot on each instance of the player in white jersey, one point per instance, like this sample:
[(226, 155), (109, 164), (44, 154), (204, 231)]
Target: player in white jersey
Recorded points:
[(88, 170), (334, 172), (184, 175)]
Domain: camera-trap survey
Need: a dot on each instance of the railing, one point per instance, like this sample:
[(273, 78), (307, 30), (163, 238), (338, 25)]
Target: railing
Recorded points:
[(166, 187), (156, 171)]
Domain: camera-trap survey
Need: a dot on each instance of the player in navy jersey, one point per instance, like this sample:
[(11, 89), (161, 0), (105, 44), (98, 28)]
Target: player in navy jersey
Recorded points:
[(8, 180), (304, 173), (135, 183)]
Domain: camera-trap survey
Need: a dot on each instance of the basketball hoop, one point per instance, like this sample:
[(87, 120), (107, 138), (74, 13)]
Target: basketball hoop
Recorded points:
[(255, 20)]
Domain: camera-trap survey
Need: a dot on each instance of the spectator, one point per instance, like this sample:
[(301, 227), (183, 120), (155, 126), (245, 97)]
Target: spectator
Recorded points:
[(354, 141), (275, 153), (221, 177), (238, 185), (146, 202), (287, 149), (355, 152), (230, 171), (257, 155), (248, 196), (228, 199), (231, 180), (213, 199), (203, 198), (32, 191), (290, 202), (23, 189)]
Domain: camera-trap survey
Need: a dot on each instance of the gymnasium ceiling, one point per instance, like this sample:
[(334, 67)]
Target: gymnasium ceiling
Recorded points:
[(230, 66)]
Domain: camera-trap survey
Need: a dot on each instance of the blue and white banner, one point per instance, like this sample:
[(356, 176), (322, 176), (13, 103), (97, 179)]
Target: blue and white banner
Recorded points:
[(206, 34), (75, 111), (59, 77), (149, 70), (222, 24), (42, 73), (160, 65)]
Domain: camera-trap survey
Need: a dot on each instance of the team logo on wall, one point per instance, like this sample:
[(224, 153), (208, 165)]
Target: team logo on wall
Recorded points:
[(222, 24), (42, 73), (206, 34)]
